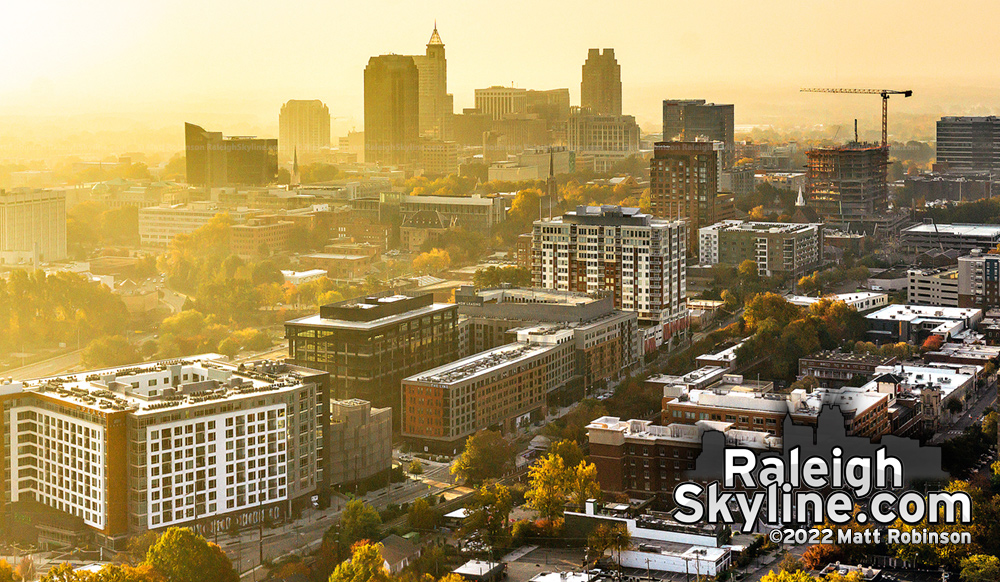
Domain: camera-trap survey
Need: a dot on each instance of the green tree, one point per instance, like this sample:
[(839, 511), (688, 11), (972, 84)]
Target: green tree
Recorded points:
[(487, 455), (488, 516), (791, 563), (421, 516), (180, 555), (415, 467), (606, 536), (569, 451), (110, 351), (366, 565), (980, 568), (359, 521)]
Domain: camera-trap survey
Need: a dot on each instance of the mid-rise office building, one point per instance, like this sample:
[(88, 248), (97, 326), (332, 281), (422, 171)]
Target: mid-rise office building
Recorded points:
[(683, 183), (932, 287), (603, 139), (476, 212), (158, 225), (303, 127), (497, 101), (778, 248), (195, 442), (392, 110), (506, 387), (639, 260), (913, 323), (260, 238), (834, 368), (694, 120), (369, 345), (32, 226), (968, 145), (601, 88), (846, 185), (214, 160), (439, 157), (360, 441)]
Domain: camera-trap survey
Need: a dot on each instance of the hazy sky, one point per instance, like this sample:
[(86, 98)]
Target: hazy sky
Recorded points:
[(229, 64)]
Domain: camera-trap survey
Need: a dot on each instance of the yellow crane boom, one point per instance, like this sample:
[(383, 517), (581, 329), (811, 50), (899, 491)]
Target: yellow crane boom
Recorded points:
[(884, 93)]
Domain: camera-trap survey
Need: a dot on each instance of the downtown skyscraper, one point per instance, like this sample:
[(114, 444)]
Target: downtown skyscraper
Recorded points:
[(601, 88), (392, 110)]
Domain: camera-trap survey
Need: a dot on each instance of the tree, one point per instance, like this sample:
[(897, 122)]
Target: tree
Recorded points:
[(488, 514), (421, 516), (932, 343), (800, 576), (581, 483), (110, 351), (819, 555), (366, 565), (180, 555), (229, 347), (569, 451), (791, 563), (7, 573), (26, 568), (547, 488), (487, 455), (415, 467), (138, 545), (433, 261), (606, 537), (359, 521), (980, 568)]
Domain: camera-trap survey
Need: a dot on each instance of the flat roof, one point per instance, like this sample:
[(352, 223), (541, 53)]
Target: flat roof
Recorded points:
[(971, 230), (480, 364), (129, 388), (317, 321), (760, 226), (900, 312)]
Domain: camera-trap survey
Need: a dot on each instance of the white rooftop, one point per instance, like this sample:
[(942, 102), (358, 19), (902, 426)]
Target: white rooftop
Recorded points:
[(916, 312), (971, 230)]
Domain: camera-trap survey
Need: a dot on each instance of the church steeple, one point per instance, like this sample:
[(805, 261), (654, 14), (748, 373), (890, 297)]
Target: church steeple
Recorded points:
[(435, 37)]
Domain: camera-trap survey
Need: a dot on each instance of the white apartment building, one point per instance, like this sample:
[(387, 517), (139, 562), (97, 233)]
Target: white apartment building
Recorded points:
[(193, 442), (639, 260), (32, 226)]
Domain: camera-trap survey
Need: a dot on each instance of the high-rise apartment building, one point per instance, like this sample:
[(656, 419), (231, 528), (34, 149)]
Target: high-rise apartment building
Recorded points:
[(436, 104), (214, 160), (303, 127), (601, 88), (979, 280), (193, 442), (683, 183), (846, 184), (32, 225), (369, 345), (601, 140), (640, 260), (499, 101), (968, 145), (694, 120), (392, 110)]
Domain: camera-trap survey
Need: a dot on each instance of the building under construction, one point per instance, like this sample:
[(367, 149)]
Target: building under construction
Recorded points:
[(847, 184)]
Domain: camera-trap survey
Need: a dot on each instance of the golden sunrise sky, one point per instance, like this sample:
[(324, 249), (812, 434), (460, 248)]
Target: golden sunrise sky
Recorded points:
[(229, 64)]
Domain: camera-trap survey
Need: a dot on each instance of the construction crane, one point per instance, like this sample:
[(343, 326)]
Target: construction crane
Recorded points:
[(885, 93)]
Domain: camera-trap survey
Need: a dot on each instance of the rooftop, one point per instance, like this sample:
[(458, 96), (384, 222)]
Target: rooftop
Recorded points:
[(762, 227), (838, 356), (372, 312), (150, 387), (915, 313), (970, 230), (480, 364), (690, 433)]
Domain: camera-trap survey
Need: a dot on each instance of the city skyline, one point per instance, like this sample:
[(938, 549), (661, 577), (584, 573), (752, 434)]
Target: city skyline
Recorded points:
[(131, 67)]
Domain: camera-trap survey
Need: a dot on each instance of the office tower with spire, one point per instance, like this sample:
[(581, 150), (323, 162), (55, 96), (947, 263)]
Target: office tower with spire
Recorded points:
[(601, 88), (392, 112), (436, 105), (303, 127)]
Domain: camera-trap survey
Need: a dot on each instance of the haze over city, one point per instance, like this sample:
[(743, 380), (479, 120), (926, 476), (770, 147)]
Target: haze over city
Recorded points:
[(131, 69)]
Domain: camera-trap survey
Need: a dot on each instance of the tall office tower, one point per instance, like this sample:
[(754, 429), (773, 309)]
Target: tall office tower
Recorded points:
[(600, 141), (498, 101), (392, 111), (436, 105), (601, 88), (371, 344), (969, 144), (193, 442), (846, 184), (640, 260), (32, 226), (694, 120), (303, 127), (683, 183), (214, 160)]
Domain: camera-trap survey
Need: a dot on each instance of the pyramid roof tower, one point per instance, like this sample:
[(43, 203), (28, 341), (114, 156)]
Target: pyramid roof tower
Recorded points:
[(435, 37)]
